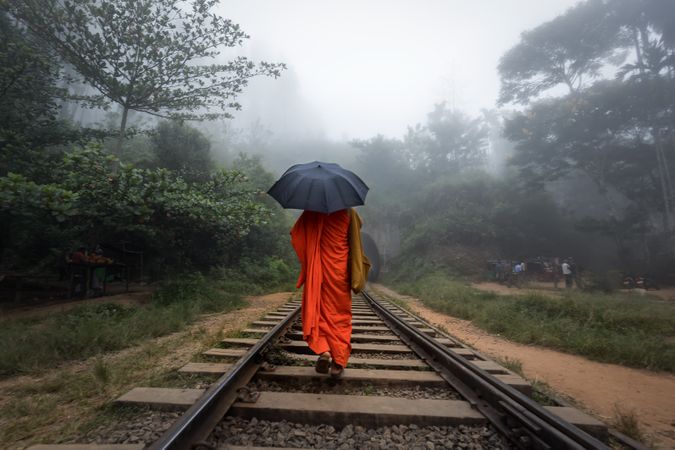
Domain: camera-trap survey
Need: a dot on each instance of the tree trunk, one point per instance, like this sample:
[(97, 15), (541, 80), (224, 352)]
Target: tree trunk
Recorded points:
[(666, 191), (638, 53), (597, 176), (120, 137)]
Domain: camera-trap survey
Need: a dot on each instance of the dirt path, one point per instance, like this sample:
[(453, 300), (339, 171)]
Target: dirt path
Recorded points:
[(126, 299), (599, 388)]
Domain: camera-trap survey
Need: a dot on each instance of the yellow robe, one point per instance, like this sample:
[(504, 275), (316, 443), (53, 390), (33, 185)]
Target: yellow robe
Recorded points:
[(359, 264)]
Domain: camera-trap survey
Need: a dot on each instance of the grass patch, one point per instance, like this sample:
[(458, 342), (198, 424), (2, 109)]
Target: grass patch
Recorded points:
[(627, 329), (626, 422), (32, 345), (513, 364), (70, 401), (64, 404), (543, 394)]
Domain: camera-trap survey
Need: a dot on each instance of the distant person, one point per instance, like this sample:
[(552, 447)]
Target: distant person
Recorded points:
[(567, 273), (516, 275), (332, 262), (78, 257)]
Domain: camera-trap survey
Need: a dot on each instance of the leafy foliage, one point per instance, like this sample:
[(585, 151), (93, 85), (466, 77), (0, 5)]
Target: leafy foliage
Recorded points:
[(457, 224), (30, 92), (182, 149), (451, 142), (617, 132), (567, 50), (28, 79), (145, 55), (268, 241), (87, 201)]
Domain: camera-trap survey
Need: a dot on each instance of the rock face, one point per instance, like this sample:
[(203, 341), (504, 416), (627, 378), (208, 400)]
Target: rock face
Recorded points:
[(236, 431)]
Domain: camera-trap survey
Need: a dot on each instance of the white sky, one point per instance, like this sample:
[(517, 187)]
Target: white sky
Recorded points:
[(376, 66)]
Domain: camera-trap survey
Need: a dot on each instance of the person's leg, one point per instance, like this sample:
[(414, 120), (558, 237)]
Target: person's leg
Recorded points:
[(335, 322), (323, 363)]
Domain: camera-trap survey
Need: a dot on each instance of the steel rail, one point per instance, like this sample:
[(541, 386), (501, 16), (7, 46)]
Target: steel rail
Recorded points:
[(526, 423), (193, 427)]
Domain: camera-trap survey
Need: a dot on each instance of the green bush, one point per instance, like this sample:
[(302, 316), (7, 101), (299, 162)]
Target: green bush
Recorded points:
[(92, 198), (257, 276)]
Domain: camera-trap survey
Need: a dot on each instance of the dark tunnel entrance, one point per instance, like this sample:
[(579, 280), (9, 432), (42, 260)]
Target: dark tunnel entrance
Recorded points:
[(373, 254)]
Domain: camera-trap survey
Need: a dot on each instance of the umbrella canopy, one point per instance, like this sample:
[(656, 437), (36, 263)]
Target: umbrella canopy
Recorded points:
[(319, 186)]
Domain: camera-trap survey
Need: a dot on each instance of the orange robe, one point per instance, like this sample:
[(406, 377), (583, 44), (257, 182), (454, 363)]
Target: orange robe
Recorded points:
[(322, 245)]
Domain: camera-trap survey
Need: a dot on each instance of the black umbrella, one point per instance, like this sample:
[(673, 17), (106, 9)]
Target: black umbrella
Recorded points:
[(319, 186)]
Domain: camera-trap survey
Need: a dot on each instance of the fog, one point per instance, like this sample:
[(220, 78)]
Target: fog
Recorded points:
[(493, 128), (356, 69)]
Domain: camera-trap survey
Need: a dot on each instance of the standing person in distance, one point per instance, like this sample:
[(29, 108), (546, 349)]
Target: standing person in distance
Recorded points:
[(567, 273)]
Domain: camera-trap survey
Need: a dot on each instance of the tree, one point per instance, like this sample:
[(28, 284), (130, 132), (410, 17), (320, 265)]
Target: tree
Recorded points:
[(28, 79), (182, 149), (181, 223), (383, 166), (147, 55), (450, 143), (256, 175), (30, 92), (618, 132), (568, 50), (649, 26)]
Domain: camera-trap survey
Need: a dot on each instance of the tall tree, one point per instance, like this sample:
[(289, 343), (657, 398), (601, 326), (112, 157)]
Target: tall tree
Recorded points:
[(147, 55), (30, 92), (383, 166), (28, 78), (618, 132), (183, 149), (450, 142), (569, 50)]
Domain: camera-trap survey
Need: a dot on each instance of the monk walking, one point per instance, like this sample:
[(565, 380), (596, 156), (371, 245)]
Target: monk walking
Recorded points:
[(332, 262)]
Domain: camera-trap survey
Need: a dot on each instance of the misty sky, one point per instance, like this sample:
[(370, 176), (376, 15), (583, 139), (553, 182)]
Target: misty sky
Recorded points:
[(362, 67)]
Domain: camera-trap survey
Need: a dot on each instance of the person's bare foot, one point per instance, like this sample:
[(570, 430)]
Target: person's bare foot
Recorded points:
[(336, 370), (323, 363)]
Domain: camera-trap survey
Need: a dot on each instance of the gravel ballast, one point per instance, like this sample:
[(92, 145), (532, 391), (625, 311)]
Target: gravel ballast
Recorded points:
[(236, 431), (327, 387), (142, 429), (375, 355)]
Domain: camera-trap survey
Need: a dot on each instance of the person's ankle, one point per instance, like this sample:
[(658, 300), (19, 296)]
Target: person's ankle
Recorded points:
[(336, 370)]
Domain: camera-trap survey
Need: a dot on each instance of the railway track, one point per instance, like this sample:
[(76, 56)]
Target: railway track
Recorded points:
[(408, 385)]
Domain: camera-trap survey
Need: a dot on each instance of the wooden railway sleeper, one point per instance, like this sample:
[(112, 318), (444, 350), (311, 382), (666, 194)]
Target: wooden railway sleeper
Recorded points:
[(203, 445)]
